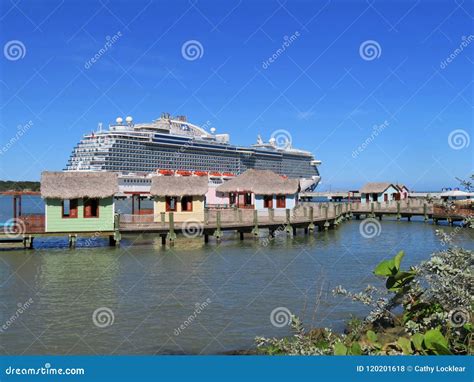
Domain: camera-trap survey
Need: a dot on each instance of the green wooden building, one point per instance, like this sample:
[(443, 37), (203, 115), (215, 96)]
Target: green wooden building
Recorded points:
[(79, 201)]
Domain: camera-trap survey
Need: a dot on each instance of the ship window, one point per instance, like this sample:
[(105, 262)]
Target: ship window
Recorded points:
[(69, 208), (268, 201), (91, 208), (187, 203), (281, 201), (171, 203)]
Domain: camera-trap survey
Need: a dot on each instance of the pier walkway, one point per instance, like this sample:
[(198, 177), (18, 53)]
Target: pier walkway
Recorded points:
[(308, 216)]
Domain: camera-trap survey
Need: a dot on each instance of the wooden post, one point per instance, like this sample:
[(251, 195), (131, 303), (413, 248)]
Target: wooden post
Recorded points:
[(425, 212), (399, 216), (117, 235), (206, 238), (218, 232), (372, 213), (271, 214), (206, 215), (240, 215), (163, 218), (171, 233), (163, 240), (288, 221), (72, 241), (255, 223), (241, 234), (311, 219), (326, 213)]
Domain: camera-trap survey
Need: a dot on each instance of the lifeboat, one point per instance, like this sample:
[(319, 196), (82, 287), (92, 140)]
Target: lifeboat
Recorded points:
[(166, 172), (215, 173), (184, 173), (200, 173), (284, 176), (228, 174)]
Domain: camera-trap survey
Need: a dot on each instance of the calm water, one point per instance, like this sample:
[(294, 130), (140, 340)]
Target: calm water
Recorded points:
[(151, 291)]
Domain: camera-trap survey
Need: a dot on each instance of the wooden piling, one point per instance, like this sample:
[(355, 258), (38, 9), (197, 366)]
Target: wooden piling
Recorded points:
[(218, 232), (171, 233), (288, 221), (255, 223)]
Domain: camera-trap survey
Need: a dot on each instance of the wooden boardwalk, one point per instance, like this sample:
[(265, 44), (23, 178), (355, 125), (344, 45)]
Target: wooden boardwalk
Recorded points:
[(307, 216)]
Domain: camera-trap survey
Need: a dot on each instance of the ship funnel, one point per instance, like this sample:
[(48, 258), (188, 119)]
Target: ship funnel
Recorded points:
[(119, 120)]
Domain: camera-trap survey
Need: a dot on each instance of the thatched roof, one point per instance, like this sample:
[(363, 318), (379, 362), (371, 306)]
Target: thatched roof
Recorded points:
[(260, 182), (178, 185), (375, 187), (78, 184), (401, 187)]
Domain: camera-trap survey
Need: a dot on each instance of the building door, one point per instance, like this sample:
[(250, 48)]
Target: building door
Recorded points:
[(385, 198)]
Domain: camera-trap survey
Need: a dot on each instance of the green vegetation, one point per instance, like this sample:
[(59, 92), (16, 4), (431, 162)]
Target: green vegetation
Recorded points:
[(11, 185), (435, 301)]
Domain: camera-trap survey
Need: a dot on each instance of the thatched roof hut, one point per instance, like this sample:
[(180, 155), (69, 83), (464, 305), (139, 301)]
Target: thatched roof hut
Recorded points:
[(260, 182), (375, 187), (401, 186), (178, 185), (75, 184)]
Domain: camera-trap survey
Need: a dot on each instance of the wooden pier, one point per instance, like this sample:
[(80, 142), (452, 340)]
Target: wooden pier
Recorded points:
[(307, 216)]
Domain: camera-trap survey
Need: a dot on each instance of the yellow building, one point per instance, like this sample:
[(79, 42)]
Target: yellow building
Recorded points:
[(182, 195)]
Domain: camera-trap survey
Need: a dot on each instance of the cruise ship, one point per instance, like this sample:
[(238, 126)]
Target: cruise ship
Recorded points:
[(172, 144)]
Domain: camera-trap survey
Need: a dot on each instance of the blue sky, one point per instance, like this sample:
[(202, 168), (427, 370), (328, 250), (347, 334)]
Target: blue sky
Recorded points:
[(321, 89)]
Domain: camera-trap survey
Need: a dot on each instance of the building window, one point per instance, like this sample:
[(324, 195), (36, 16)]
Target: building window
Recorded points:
[(232, 199), (268, 201), (69, 208), (171, 202), (91, 208), (281, 201), (187, 203)]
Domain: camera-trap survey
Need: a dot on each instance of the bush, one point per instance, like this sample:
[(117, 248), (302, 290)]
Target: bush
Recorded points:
[(436, 299)]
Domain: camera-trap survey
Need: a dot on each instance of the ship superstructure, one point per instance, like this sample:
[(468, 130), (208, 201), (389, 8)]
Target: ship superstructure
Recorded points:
[(174, 144)]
